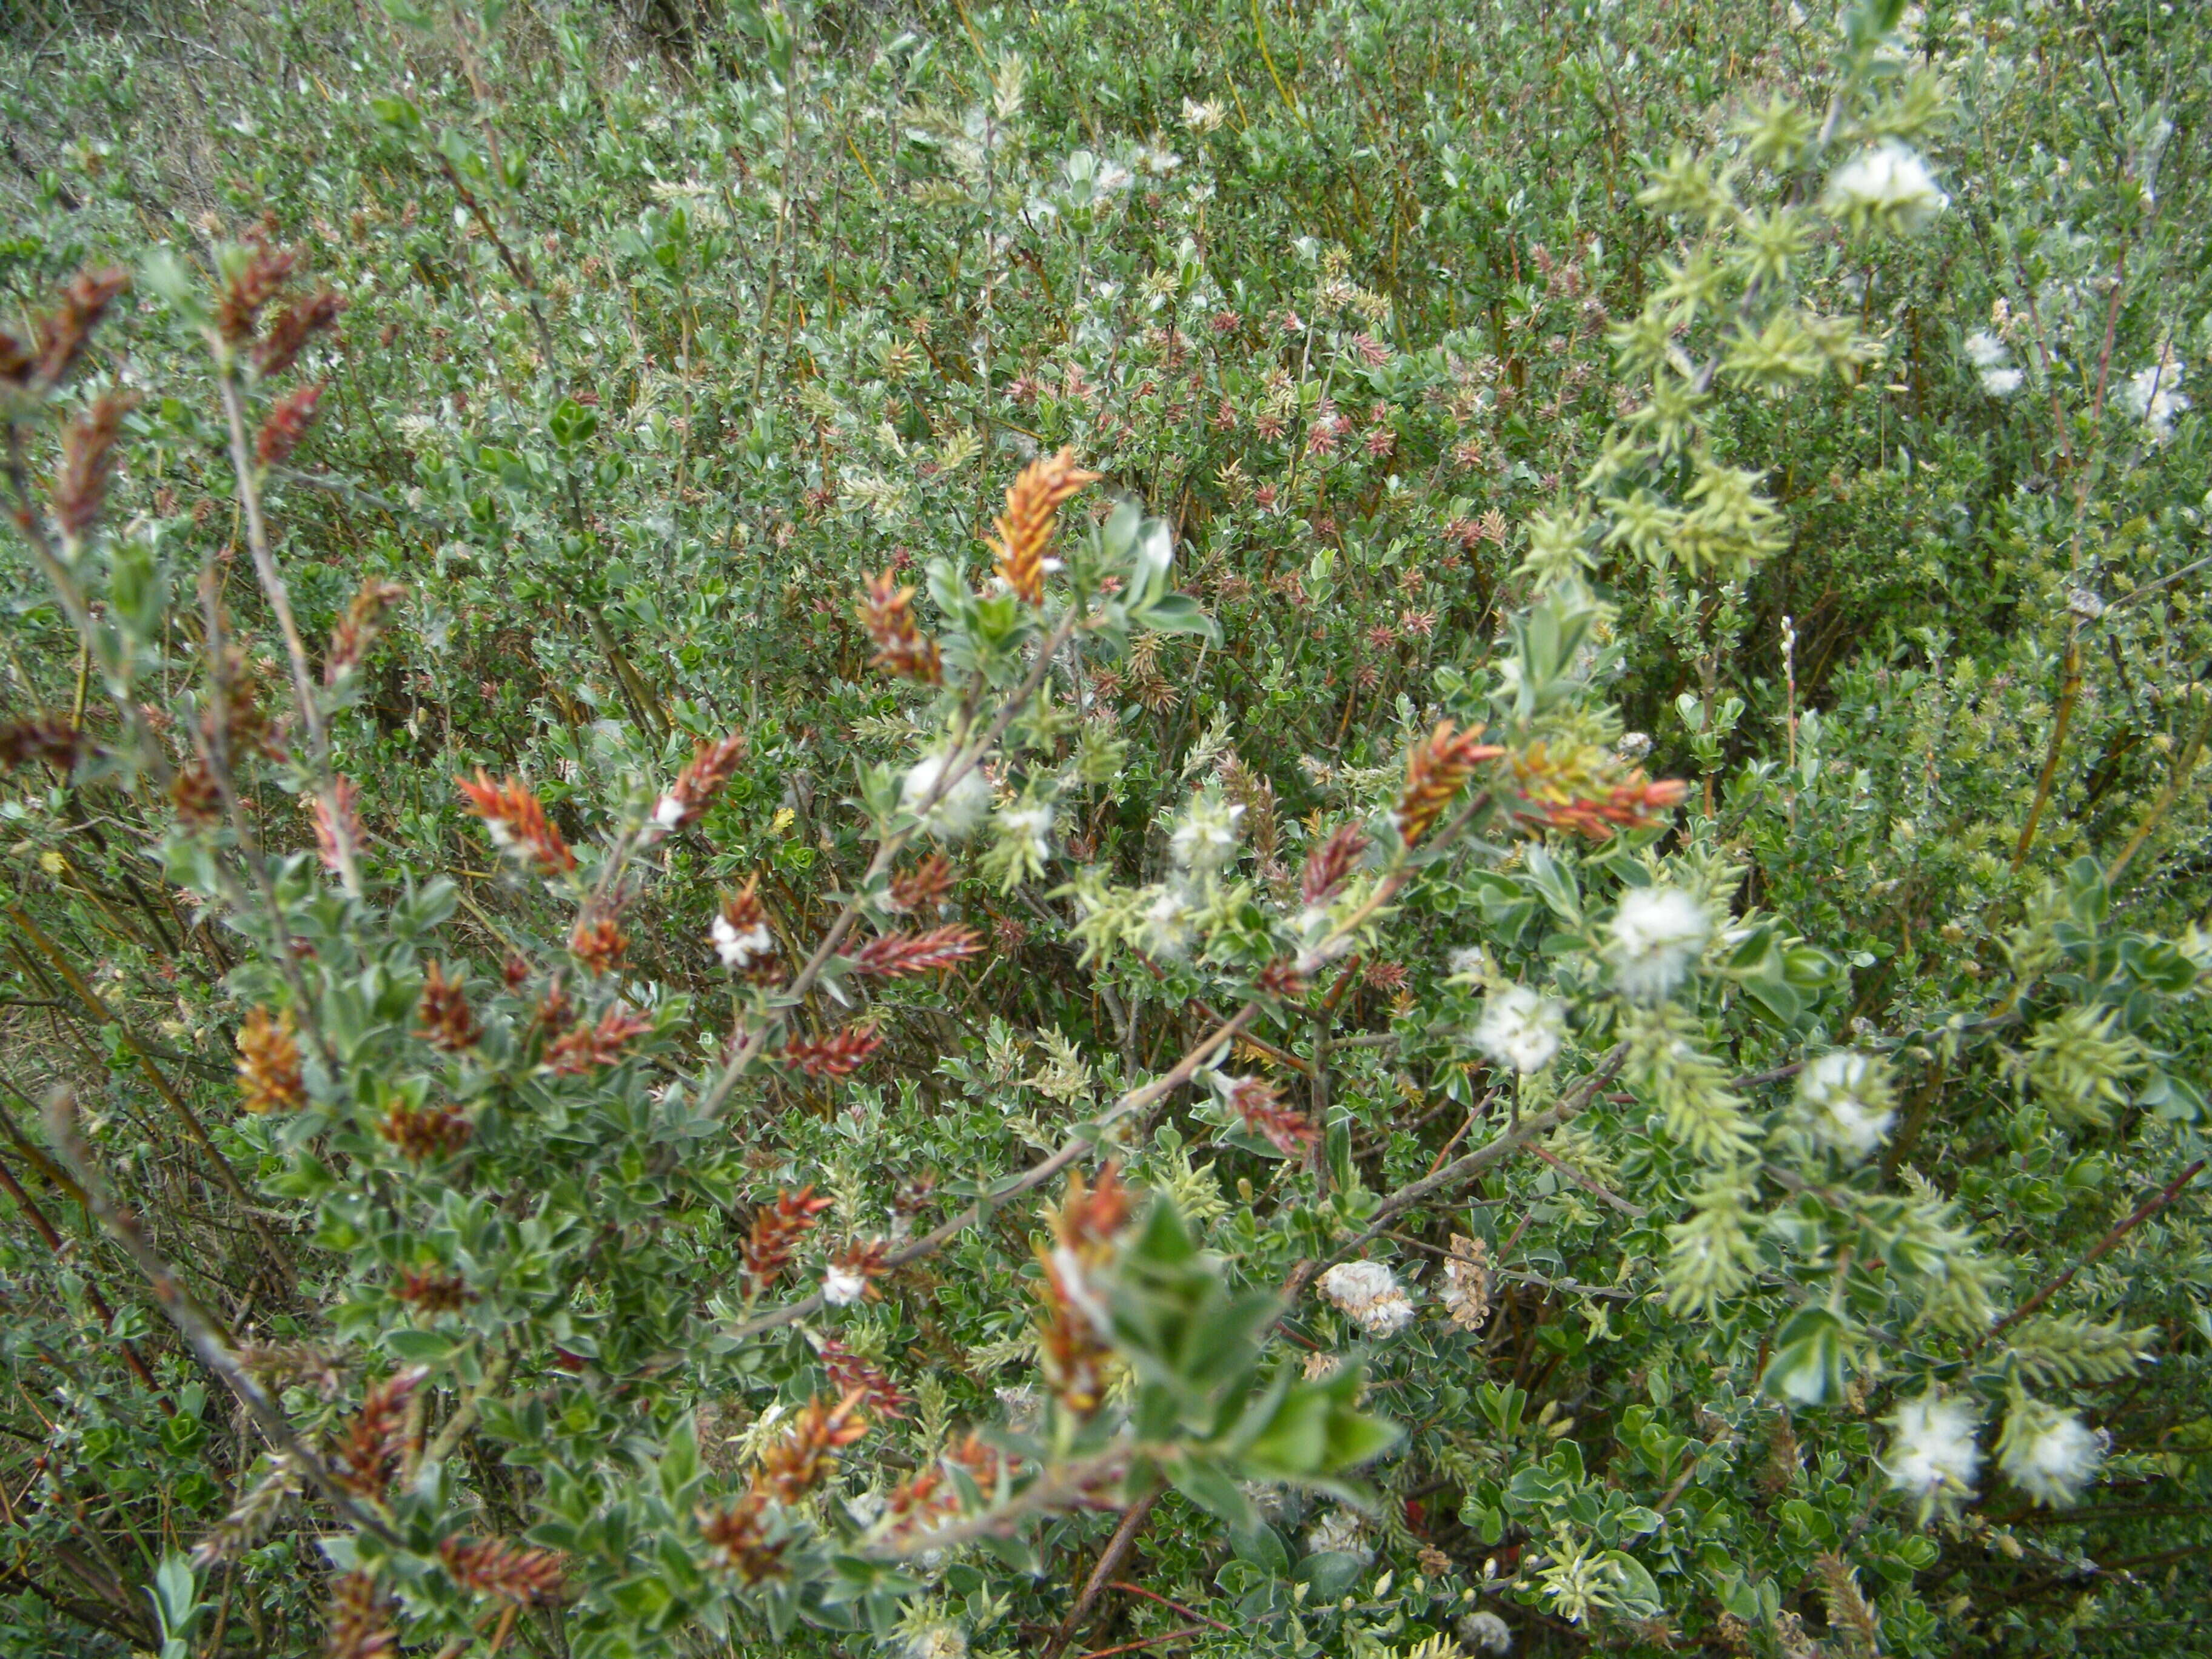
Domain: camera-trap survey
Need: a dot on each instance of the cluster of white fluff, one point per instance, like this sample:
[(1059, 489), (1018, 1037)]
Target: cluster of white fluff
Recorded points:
[(1369, 1294), (1846, 1098), (1658, 933), (740, 947), (1993, 363), (1519, 1028), (1888, 186), (964, 807)]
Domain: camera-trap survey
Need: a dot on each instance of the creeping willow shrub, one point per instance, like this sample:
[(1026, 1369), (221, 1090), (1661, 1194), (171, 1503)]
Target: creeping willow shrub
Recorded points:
[(948, 1131)]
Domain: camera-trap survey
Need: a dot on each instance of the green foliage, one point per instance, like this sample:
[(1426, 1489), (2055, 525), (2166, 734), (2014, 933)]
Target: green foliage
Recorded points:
[(1538, 975)]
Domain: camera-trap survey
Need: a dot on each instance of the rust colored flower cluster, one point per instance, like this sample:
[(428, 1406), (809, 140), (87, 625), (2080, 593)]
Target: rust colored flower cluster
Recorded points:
[(87, 462), (1026, 528), (269, 1078), (262, 272), (1281, 978), (359, 1621), (1580, 788), (596, 940), (1435, 769), (923, 888), (1072, 1335), (507, 1571), (851, 1375), (419, 1133), (1329, 865), (288, 336), (517, 824), (776, 1233), (285, 427), (433, 1289), (357, 629), (370, 1455), (738, 1537), (1261, 1104), (896, 955), (901, 647), (63, 331), (447, 1021), (934, 1494), (803, 1457), (584, 1048), (710, 770), (792, 1467), (841, 1053), (48, 738)]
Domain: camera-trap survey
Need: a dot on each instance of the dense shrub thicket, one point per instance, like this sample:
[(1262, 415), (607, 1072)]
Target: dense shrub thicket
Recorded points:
[(1260, 827)]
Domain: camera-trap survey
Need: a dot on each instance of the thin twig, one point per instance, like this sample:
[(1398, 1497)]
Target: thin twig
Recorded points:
[(193, 1323), (2104, 1247)]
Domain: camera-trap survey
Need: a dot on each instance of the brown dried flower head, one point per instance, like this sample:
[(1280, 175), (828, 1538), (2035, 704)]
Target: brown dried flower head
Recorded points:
[(288, 336), (1436, 767), (1026, 528), (895, 956), (359, 1625), (48, 738), (507, 1571), (433, 1289), (841, 1053), (421, 1132), (738, 1537), (357, 629), (370, 1455), (286, 428), (922, 889), (260, 272), (584, 1048), (802, 1458), (269, 1078), (87, 461), (852, 1374), (1329, 865), (597, 941), (1466, 1289), (776, 1233), (1281, 978), (447, 1021), (517, 824), (901, 647), (1283, 1126), (63, 331), (711, 767), (1581, 788)]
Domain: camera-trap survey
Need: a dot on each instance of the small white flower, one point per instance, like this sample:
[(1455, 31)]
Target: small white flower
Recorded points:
[(2001, 382), (1519, 1028), (739, 950), (1888, 186), (668, 815), (1487, 1631), (1657, 934), (2048, 1453), (1846, 1098), (1932, 1452), (1207, 837), (955, 817), (2154, 395), (1467, 960), (1338, 1532), (1112, 179), (842, 1286), (1368, 1293)]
